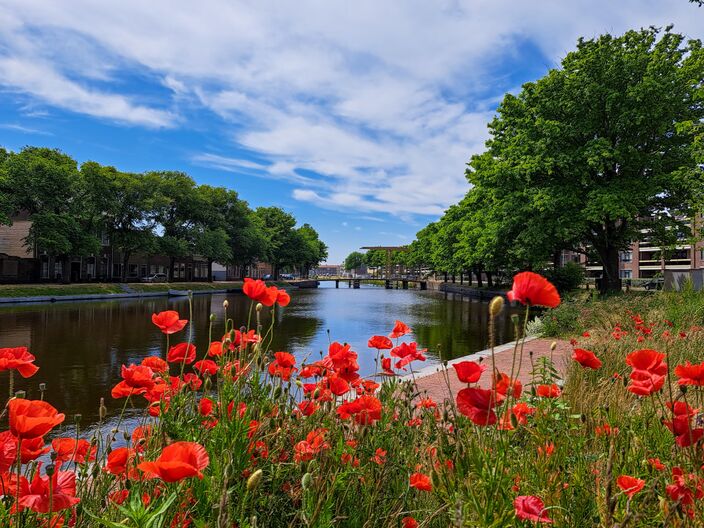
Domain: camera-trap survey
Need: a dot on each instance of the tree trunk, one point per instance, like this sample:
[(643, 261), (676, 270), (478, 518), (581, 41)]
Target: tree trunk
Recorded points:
[(172, 264), (480, 281), (445, 276), (611, 280), (556, 259), (65, 270), (453, 278), (125, 260), (210, 270), (489, 279)]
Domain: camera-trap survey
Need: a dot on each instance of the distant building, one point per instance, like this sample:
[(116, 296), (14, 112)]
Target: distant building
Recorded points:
[(643, 260), (18, 263), (327, 270)]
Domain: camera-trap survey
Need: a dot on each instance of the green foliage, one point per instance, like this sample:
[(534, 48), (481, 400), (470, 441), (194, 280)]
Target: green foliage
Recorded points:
[(598, 153), (162, 212), (354, 260), (566, 278)]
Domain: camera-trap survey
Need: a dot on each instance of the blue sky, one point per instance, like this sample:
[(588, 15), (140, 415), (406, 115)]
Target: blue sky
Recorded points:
[(357, 117)]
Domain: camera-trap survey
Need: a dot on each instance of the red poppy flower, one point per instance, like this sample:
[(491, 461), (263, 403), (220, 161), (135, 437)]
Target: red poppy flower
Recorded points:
[(548, 391), (258, 291), (648, 360), (630, 485), (156, 364), (282, 298), (70, 450), (169, 322), (18, 359), (689, 374), (400, 329), (307, 407), (283, 365), (33, 448), (534, 290), (182, 353), (420, 482), (386, 366), (379, 457), (503, 384), (206, 366), (656, 464), (343, 361), (409, 522), (469, 371), (205, 406), (178, 461), (380, 343), (478, 405), (138, 376), (366, 410), (32, 418), (305, 450), (681, 425), (586, 358), (119, 460), (63, 492), (531, 508), (407, 352), (8, 451)]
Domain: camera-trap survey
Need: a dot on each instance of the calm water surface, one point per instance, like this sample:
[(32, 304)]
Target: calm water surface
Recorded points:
[(80, 346)]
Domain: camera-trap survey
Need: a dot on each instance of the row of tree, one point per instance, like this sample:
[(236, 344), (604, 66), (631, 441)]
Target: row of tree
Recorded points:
[(604, 151), (166, 213)]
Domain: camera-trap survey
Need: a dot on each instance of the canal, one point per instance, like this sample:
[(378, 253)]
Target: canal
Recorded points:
[(80, 346)]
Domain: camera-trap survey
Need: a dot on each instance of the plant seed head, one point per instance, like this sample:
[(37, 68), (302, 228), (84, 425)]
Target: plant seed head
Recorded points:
[(254, 480), (496, 305)]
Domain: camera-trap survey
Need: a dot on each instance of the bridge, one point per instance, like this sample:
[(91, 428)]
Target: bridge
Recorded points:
[(390, 283)]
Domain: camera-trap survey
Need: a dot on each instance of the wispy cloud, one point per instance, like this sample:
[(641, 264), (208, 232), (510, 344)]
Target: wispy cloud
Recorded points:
[(371, 107), (24, 129)]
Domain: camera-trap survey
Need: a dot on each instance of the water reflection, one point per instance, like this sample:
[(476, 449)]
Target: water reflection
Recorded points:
[(80, 347)]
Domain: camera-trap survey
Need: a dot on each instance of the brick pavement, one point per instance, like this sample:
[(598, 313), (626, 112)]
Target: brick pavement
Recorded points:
[(431, 381)]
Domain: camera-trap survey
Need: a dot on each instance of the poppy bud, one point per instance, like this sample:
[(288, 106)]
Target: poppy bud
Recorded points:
[(126, 436), (306, 481), (77, 418), (514, 420), (434, 479), (53, 455), (496, 305), (254, 480), (683, 389), (225, 304), (50, 470), (259, 307), (212, 317), (102, 410), (20, 394), (553, 345), (277, 392), (207, 384), (299, 383), (514, 319), (316, 393), (42, 387), (253, 521)]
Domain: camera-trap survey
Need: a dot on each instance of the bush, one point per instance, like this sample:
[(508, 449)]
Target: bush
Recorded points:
[(567, 278)]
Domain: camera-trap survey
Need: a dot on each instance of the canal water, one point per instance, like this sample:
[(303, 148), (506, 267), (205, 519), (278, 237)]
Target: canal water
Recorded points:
[(80, 346)]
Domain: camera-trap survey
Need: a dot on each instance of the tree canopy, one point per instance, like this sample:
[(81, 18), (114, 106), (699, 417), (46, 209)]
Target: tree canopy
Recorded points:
[(162, 212), (595, 155)]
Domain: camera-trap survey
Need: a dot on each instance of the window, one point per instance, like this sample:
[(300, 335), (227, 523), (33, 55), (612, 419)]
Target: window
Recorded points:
[(626, 256), (625, 274), (45, 269)]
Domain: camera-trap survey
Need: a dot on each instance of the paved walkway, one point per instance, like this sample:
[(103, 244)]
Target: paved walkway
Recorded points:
[(431, 380)]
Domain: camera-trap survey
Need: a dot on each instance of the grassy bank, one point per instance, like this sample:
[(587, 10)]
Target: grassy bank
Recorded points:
[(194, 286), (55, 290)]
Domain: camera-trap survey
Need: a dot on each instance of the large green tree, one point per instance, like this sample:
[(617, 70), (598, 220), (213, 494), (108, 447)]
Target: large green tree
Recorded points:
[(600, 148), (278, 227), (48, 185), (354, 261)]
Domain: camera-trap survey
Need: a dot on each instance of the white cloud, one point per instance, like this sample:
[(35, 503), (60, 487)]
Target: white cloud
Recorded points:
[(367, 106)]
